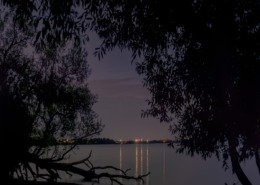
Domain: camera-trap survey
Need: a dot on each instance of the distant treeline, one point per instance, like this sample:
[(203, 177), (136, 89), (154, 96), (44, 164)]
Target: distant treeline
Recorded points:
[(101, 141), (111, 141)]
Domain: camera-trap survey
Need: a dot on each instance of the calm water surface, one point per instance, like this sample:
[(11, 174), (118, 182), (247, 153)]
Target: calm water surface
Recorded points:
[(166, 167)]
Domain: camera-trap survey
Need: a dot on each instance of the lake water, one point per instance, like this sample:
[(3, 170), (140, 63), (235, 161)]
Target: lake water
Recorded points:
[(166, 167)]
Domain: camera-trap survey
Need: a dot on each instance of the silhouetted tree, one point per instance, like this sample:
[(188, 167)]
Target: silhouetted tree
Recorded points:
[(44, 99), (200, 63)]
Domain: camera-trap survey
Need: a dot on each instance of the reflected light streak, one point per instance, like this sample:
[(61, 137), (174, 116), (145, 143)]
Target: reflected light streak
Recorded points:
[(136, 159), (120, 161), (164, 164), (142, 164), (141, 160), (120, 157), (147, 163)]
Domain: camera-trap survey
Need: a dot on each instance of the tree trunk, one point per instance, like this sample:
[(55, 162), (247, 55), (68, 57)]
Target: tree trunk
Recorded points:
[(236, 164), (257, 159)]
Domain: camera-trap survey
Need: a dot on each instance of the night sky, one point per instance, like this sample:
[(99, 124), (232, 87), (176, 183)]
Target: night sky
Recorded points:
[(121, 97)]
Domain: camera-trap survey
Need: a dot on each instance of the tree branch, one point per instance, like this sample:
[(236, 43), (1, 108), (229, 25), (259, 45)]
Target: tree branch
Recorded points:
[(88, 174)]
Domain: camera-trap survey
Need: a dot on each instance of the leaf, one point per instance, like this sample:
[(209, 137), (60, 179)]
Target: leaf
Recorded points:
[(37, 37)]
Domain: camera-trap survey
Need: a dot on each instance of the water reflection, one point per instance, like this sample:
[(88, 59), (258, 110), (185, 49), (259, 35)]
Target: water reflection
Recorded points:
[(136, 160), (120, 157), (120, 162), (164, 164), (166, 167), (147, 163), (142, 160)]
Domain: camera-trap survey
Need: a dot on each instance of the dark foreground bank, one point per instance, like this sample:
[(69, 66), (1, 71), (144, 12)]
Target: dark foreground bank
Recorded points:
[(21, 182)]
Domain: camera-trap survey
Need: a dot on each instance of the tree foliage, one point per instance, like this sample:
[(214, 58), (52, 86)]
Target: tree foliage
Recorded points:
[(201, 64), (55, 21), (44, 99)]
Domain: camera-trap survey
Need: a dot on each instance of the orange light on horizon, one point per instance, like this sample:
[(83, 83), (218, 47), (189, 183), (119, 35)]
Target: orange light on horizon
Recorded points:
[(140, 140), (164, 141)]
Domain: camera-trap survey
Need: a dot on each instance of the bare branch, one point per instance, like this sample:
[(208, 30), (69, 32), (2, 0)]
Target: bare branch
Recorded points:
[(89, 174)]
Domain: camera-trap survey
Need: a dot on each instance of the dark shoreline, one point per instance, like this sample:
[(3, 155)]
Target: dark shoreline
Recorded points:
[(22, 182)]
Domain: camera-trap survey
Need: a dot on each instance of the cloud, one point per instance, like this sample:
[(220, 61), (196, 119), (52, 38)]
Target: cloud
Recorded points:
[(122, 87)]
